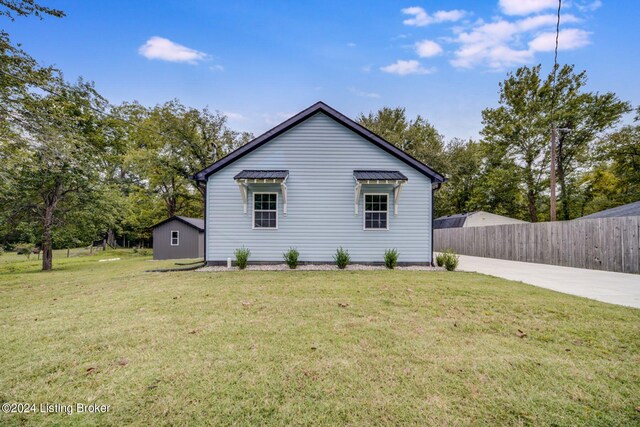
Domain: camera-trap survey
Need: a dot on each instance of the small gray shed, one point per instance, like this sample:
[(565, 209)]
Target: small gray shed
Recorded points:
[(178, 237)]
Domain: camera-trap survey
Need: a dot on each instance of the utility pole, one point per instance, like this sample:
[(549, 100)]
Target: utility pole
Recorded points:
[(552, 184)]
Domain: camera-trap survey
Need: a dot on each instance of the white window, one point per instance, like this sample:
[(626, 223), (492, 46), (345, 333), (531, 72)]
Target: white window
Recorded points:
[(265, 210), (376, 211), (175, 238)]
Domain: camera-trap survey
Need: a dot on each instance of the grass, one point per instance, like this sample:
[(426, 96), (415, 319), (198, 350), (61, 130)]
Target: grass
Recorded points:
[(321, 348)]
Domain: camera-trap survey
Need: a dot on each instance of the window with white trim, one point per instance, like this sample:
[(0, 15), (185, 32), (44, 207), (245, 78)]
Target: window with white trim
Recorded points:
[(265, 210), (376, 211), (175, 238)]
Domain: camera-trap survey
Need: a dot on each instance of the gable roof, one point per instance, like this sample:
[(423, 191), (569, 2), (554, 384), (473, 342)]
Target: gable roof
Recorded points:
[(302, 116), (197, 223), (630, 209)]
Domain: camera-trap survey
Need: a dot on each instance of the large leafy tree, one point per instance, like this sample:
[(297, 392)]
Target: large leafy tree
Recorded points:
[(518, 131), (417, 137), (582, 118), (171, 143), (52, 160)]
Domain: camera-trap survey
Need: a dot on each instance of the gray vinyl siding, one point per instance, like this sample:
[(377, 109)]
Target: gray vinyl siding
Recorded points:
[(321, 156), (191, 242)]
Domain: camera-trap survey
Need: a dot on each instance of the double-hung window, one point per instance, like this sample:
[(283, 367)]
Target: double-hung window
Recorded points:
[(265, 210), (376, 211), (175, 238)]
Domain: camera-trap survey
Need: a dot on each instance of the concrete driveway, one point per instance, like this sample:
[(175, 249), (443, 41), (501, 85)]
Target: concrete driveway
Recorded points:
[(614, 288)]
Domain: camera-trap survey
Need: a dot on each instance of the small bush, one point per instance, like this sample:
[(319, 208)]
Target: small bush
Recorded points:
[(342, 258), (450, 260), (291, 257), (440, 259), (22, 249), (242, 257), (391, 258)]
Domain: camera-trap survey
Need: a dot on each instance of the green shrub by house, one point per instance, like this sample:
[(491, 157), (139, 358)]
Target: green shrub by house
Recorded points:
[(291, 257), (391, 258), (448, 259), (242, 257), (342, 258)]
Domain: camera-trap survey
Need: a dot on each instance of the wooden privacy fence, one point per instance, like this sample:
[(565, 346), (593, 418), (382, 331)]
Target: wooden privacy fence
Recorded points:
[(611, 244)]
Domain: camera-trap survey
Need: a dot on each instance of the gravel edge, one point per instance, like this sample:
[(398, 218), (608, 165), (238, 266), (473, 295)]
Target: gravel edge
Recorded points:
[(316, 267)]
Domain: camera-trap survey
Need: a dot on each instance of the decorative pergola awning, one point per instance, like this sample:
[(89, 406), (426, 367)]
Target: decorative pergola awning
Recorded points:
[(246, 177), (395, 178)]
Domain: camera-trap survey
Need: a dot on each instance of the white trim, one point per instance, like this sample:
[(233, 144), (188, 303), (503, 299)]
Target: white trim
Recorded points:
[(177, 238), (243, 193), (356, 201), (253, 210), (283, 190), (364, 211)]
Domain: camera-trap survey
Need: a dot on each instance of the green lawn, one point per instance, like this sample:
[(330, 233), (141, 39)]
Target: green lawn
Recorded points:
[(308, 348)]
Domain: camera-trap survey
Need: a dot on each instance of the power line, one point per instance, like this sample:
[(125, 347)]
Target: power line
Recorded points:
[(554, 131), (97, 110)]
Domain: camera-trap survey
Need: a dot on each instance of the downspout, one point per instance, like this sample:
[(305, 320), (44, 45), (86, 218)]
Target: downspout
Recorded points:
[(206, 200), (434, 187)]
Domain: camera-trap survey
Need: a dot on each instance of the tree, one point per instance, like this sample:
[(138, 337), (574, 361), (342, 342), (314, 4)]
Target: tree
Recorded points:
[(582, 118), (172, 143), (416, 137), (53, 159), (517, 131), (463, 168)]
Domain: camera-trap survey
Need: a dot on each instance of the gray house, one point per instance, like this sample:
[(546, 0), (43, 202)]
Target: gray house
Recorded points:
[(178, 237), (316, 182)]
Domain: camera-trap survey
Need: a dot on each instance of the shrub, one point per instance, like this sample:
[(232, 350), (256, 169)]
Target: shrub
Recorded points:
[(391, 258), (440, 259), (342, 258), (291, 257), (242, 257), (23, 249), (450, 260)]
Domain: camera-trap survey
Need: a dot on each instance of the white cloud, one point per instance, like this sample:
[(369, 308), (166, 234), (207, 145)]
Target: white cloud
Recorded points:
[(166, 50), (403, 68), (526, 7), (589, 6), (364, 94), (216, 67), (503, 43), (421, 18), (234, 116), (366, 68), (538, 21), (571, 38), (351, 44), (428, 48)]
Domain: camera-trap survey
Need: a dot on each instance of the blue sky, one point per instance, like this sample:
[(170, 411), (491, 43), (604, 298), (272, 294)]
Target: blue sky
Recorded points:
[(259, 62)]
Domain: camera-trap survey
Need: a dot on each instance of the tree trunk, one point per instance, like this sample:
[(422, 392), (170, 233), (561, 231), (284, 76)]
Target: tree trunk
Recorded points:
[(111, 238), (47, 238), (564, 196), (533, 210)]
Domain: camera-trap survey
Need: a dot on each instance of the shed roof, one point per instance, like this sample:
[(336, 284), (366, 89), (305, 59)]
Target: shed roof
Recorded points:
[(379, 175), (197, 223), (302, 116), (262, 174), (630, 209), (451, 221)]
